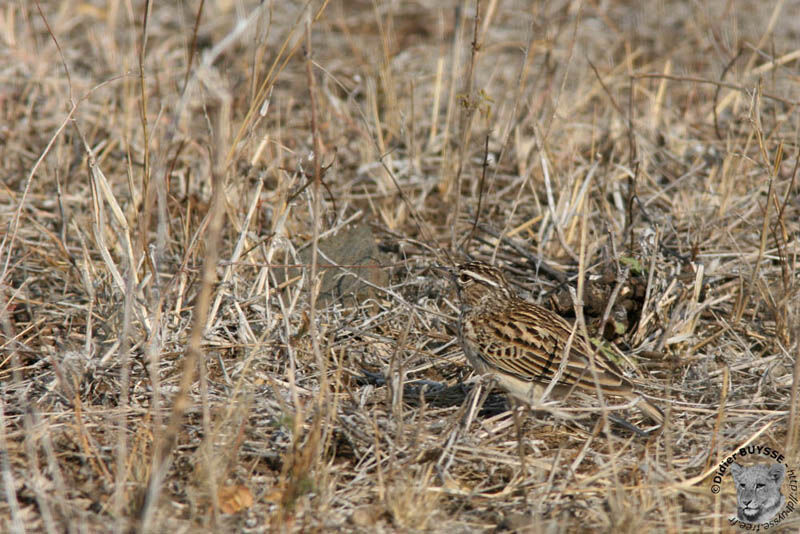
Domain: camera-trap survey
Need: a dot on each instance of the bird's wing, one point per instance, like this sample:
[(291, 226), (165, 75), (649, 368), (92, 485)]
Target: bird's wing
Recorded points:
[(536, 354)]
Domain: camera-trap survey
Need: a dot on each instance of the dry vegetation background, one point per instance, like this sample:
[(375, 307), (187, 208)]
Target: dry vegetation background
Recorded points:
[(160, 371)]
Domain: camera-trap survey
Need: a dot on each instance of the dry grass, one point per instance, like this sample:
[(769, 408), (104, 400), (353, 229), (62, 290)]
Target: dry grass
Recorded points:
[(160, 373)]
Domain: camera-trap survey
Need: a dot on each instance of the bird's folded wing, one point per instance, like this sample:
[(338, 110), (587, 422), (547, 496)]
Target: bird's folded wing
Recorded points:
[(529, 342)]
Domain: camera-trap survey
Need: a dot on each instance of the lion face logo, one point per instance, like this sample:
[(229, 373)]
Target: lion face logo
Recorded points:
[(758, 491)]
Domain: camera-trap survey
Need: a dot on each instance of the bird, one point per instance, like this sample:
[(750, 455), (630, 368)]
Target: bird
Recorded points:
[(524, 345)]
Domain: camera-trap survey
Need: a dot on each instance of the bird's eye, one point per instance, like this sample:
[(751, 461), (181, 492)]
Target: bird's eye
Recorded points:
[(464, 278)]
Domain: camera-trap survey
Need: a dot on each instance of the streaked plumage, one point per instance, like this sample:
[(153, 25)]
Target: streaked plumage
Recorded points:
[(523, 344)]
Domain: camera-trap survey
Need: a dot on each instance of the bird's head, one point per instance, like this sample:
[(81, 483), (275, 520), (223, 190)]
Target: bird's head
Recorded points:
[(479, 284)]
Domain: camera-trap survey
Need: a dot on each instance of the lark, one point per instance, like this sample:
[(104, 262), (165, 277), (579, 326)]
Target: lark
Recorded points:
[(524, 346)]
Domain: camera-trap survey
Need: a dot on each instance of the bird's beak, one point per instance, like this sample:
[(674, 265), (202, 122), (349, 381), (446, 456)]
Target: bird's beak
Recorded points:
[(444, 270)]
